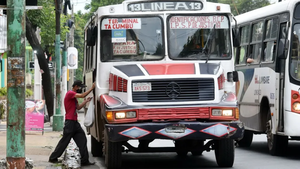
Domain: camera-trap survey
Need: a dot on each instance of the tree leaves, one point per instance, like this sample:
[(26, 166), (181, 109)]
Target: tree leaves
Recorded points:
[(45, 19), (242, 6)]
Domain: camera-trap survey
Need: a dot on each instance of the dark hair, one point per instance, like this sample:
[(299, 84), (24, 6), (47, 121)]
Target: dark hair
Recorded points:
[(78, 83)]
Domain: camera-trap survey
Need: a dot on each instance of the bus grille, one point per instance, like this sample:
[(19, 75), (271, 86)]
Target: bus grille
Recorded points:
[(176, 90)]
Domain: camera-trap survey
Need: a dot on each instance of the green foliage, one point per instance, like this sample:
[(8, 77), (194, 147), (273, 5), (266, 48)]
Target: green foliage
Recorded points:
[(45, 19), (242, 6), (2, 111), (97, 3), (80, 21), (79, 43), (29, 93), (3, 91)]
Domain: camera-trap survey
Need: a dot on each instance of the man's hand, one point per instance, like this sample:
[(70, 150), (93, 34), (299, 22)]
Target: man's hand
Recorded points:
[(93, 87), (89, 99)]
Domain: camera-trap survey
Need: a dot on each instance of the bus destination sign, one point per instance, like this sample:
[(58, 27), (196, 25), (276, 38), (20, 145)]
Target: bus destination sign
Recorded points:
[(165, 6)]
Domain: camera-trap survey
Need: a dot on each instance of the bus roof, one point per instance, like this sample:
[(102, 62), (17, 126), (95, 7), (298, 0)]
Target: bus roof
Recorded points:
[(208, 7), (122, 9), (269, 10)]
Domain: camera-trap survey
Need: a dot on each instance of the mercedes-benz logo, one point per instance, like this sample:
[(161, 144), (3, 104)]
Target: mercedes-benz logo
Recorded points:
[(173, 90)]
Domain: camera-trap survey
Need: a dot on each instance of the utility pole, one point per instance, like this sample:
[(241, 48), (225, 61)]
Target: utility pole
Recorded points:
[(64, 74), (71, 44), (58, 118), (15, 147)]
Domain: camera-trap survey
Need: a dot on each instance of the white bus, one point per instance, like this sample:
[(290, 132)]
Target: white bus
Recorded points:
[(163, 70), (267, 62)]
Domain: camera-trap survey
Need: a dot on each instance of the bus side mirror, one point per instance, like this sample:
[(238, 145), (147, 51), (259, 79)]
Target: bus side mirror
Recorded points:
[(236, 37), (283, 48), (232, 76)]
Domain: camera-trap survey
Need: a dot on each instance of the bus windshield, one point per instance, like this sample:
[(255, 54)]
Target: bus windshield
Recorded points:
[(295, 57), (131, 39), (199, 37)]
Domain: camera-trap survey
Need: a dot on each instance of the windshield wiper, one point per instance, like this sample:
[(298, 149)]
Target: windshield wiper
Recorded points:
[(207, 46)]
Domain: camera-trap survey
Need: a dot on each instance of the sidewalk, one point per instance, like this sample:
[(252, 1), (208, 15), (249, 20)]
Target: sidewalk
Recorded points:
[(38, 146)]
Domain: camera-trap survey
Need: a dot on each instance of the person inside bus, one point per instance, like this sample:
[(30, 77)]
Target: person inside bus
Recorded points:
[(250, 60), (254, 57)]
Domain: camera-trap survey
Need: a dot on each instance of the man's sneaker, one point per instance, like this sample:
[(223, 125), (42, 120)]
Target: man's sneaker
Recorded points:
[(54, 161), (87, 163)]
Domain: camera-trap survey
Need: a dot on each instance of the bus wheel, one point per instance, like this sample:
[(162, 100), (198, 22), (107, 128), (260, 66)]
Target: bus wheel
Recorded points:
[(181, 148), (199, 148), (277, 144), (224, 152), (112, 153), (96, 147), (246, 140)]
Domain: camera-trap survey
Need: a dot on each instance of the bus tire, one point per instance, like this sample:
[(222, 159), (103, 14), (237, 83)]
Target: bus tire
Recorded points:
[(196, 153), (113, 153), (199, 148), (181, 148), (96, 147), (224, 152), (246, 141), (277, 144)]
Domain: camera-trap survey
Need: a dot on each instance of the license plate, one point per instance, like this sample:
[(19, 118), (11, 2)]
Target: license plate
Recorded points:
[(175, 129), (141, 87)]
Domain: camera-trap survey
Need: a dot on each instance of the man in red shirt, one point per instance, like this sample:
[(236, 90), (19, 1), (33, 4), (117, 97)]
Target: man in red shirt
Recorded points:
[(72, 128)]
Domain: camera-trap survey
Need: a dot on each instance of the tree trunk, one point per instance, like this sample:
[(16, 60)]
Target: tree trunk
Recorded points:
[(46, 78)]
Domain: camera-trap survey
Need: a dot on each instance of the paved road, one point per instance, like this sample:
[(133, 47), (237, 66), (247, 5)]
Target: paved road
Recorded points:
[(255, 157)]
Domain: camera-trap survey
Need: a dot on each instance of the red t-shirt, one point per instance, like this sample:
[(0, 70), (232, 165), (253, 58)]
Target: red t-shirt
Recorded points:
[(70, 103)]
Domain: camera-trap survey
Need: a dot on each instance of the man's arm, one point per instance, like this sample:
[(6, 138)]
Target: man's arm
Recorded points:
[(82, 95), (83, 103)]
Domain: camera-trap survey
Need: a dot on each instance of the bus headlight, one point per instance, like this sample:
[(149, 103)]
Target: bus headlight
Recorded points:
[(216, 112), (296, 106), (220, 112), (227, 112), (120, 115), (123, 115), (131, 114)]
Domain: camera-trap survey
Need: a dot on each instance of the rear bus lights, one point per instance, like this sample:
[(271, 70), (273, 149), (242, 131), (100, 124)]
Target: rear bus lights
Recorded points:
[(295, 101), (296, 106)]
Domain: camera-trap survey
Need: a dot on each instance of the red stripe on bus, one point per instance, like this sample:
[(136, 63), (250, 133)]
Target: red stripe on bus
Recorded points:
[(170, 69), (109, 101)]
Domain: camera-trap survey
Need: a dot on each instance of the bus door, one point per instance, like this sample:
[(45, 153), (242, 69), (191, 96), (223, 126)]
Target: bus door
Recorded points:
[(267, 76), (90, 59), (280, 67), (248, 86)]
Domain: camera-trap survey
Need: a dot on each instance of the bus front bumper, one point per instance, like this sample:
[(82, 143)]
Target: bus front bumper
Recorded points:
[(175, 131)]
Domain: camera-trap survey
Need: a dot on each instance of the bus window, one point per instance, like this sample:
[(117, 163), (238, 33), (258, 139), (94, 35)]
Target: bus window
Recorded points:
[(199, 37), (295, 53), (270, 39), (255, 47), (269, 51), (131, 39), (245, 38), (297, 12)]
